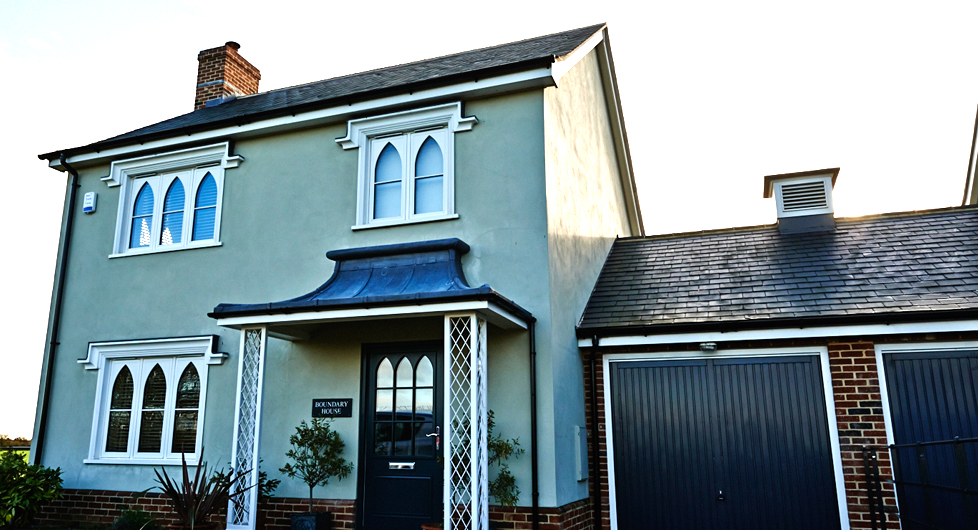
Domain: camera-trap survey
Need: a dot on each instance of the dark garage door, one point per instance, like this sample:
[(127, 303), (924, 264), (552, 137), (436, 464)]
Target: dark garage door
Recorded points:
[(933, 396), (722, 444)]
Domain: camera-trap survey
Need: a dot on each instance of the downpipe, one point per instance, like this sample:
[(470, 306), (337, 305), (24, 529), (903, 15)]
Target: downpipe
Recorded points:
[(56, 315), (595, 460), (533, 426)]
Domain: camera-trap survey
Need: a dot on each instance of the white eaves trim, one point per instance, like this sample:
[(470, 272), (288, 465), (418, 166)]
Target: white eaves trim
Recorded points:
[(491, 312), (563, 65), (99, 352), (785, 333), (538, 77)]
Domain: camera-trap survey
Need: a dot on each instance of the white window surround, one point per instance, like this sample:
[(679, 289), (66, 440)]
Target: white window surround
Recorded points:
[(159, 170), (820, 351), (441, 120), (173, 355)]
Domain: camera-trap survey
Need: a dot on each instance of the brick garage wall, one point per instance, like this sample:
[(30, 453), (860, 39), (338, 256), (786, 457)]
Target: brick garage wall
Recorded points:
[(858, 409)]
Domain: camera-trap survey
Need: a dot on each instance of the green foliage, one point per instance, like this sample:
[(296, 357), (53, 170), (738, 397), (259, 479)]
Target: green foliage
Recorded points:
[(503, 488), (24, 489), (135, 519), (193, 501), (317, 453), (266, 487), (6, 441)]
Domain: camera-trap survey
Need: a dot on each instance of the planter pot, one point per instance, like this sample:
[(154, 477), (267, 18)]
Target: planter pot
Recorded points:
[(432, 526), (310, 521), (202, 526)]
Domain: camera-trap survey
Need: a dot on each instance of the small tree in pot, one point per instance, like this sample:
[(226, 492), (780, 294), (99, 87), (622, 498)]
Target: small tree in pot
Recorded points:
[(317, 456)]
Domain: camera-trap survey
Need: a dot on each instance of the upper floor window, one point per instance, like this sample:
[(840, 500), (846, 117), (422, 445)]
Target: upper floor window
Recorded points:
[(150, 399), (170, 201), (406, 170)]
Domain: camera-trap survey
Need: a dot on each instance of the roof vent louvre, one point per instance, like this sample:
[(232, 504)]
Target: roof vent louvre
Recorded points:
[(804, 196)]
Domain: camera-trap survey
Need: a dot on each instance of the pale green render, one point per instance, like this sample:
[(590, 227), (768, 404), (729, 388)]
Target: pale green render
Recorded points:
[(540, 197)]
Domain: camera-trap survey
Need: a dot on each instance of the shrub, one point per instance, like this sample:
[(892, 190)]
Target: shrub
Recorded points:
[(24, 489), (503, 488), (317, 452), (135, 519)]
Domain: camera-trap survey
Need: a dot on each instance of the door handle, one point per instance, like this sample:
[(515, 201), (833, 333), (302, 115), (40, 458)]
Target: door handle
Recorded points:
[(400, 465), (721, 496), (437, 435)]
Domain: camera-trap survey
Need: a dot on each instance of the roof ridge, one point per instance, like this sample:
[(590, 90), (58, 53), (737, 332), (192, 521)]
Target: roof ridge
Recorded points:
[(419, 61)]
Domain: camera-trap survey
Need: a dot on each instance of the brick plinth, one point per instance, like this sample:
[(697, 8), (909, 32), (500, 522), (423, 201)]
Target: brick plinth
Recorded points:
[(573, 516)]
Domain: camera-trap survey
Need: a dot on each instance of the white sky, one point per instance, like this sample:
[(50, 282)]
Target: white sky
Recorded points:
[(715, 94)]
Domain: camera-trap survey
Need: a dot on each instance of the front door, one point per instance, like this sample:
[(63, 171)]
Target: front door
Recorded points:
[(401, 476)]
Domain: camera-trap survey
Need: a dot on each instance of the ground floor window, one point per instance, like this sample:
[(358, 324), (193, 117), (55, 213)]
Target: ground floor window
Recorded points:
[(150, 399)]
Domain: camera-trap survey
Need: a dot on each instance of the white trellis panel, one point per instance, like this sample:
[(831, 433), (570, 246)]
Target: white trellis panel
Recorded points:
[(466, 417), (247, 424)]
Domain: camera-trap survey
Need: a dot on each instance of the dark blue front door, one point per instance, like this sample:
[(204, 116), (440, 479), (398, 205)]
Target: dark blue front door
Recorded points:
[(722, 444), (401, 477)]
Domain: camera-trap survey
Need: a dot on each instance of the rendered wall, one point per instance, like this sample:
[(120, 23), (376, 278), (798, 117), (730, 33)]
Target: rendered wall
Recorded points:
[(293, 199), (585, 212)]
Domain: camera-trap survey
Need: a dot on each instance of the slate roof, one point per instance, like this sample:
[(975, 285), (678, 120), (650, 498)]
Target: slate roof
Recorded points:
[(449, 69), (914, 265)]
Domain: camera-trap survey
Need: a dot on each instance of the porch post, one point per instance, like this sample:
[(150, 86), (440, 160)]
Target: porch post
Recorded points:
[(466, 479), (247, 425)]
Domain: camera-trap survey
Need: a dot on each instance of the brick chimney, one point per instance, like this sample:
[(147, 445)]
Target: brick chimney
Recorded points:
[(223, 72)]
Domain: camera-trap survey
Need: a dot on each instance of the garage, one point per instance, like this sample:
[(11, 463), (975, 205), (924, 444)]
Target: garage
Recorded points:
[(721, 442), (933, 407)]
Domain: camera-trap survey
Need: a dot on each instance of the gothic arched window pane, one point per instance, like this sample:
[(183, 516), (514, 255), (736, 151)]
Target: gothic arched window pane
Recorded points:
[(205, 209), (151, 421), (120, 413), (141, 234), (173, 204), (429, 178), (185, 415), (387, 184)]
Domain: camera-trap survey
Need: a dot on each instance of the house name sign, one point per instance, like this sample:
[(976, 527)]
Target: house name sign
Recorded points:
[(332, 408)]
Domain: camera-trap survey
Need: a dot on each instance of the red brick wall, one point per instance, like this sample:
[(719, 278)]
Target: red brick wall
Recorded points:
[(226, 65), (858, 408), (98, 508), (573, 516), (859, 414)]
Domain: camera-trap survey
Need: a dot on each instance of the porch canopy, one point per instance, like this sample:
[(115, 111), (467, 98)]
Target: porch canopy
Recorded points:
[(408, 279), (383, 282)]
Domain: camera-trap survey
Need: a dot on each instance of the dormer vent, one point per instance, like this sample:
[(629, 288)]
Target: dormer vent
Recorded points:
[(804, 200)]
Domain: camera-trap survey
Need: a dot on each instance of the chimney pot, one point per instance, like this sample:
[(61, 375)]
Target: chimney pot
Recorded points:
[(232, 44)]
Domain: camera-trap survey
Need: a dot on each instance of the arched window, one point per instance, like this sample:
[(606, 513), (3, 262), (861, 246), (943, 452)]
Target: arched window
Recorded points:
[(141, 234), (185, 412), (151, 421), (205, 209), (429, 176), (387, 184), (173, 204), (120, 413)]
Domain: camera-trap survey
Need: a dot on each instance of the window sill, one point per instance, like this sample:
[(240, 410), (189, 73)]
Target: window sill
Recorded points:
[(398, 222), (191, 460), (160, 250)]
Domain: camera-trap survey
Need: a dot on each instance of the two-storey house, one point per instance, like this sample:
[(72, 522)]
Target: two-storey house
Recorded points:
[(405, 249)]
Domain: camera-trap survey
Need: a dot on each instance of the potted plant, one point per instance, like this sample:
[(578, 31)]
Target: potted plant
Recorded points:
[(193, 501), (317, 456)]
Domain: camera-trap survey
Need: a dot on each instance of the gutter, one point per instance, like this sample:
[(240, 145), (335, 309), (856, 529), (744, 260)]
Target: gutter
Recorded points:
[(586, 332), (52, 346)]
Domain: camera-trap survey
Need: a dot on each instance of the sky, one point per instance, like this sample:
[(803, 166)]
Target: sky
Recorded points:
[(715, 96)]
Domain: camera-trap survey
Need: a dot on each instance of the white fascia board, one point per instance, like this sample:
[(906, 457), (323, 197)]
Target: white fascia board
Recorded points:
[(539, 77), (563, 65), (488, 310), (622, 151), (785, 333)]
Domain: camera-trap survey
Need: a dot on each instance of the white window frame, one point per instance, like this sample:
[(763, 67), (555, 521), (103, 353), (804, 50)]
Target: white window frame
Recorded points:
[(410, 128), (160, 170), (173, 356)]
